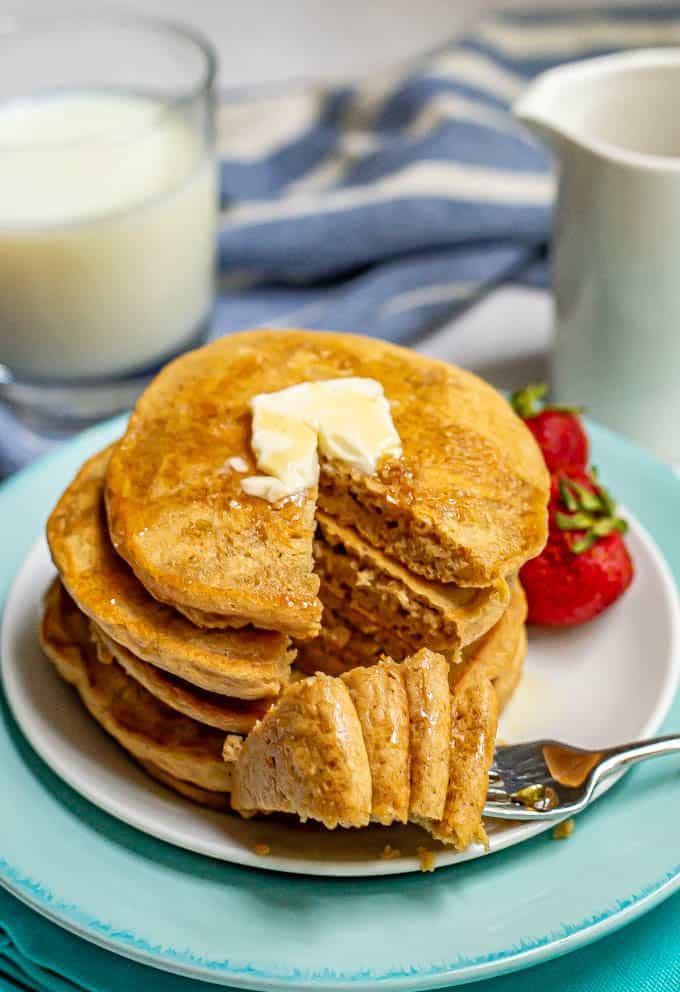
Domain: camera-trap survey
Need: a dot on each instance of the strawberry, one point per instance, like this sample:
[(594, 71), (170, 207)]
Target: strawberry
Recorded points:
[(558, 430), (585, 565)]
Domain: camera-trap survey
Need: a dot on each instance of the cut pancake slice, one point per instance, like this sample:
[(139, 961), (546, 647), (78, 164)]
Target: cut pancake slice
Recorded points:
[(399, 744), (381, 702), (236, 716), (474, 721), (362, 584), (148, 729), (466, 502), (341, 646), (307, 757), (481, 686), (245, 664), (426, 678)]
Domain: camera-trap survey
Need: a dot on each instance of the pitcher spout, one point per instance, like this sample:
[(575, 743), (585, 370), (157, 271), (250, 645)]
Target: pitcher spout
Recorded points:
[(621, 107), (538, 110)]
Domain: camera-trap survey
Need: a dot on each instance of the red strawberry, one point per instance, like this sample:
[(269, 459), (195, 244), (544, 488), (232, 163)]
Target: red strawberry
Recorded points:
[(558, 429), (585, 566)]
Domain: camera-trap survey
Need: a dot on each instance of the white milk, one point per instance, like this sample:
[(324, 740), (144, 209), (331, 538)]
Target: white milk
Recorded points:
[(107, 234)]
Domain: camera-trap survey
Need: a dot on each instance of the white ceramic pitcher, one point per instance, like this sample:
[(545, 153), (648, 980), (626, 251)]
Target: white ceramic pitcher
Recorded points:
[(614, 126)]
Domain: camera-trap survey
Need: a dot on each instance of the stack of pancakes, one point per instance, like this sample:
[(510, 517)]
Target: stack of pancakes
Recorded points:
[(184, 607)]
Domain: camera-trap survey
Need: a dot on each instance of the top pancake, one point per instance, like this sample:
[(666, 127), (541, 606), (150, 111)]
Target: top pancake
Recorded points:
[(466, 503), (246, 664)]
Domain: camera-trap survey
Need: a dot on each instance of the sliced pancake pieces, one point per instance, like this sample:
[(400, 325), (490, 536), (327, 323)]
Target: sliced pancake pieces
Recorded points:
[(474, 721), (388, 743), (307, 757), (245, 664), (426, 679), (381, 702)]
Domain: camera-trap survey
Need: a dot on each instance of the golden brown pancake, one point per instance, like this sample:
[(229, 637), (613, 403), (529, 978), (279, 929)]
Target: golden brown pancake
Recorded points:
[(246, 664), (466, 503), (341, 646), (215, 800), (319, 754), (235, 716), (426, 679), (307, 757), (507, 681), (474, 721), (365, 586), (152, 732), (498, 648), (380, 699)]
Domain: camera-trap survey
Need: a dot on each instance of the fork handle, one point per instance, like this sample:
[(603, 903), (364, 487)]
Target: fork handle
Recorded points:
[(617, 758)]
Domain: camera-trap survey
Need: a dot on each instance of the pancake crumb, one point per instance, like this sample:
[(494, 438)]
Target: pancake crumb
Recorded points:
[(263, 850), (563, 830), (389, 853), (428, 860)]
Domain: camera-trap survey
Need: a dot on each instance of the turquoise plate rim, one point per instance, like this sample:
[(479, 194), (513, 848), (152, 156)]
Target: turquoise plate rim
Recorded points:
[(531, 951)]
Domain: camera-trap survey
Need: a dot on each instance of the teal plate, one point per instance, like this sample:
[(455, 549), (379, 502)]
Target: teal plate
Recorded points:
[(254, 929)]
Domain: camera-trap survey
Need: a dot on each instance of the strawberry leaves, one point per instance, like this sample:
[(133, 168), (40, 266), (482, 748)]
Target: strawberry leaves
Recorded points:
[(529, 402), (590, 510)]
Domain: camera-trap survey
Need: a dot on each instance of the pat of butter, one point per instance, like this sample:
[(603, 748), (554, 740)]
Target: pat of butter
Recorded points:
[(346, 419)]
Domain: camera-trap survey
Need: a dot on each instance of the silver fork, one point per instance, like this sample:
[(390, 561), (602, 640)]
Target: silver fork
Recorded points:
[(546, 779)]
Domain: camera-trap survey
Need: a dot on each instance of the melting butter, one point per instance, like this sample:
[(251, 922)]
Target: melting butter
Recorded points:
[(345, 419)]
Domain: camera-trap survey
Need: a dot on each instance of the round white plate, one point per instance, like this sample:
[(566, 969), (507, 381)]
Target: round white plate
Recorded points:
[(583, 686)]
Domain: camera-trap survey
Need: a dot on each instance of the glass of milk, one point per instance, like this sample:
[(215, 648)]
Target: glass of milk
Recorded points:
[(108, 209)]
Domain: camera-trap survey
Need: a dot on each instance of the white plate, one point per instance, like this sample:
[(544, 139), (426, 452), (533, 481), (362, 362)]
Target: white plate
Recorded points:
[(607, 682)]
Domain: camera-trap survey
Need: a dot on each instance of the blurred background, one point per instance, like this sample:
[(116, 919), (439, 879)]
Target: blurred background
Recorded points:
[(269, 44), (506, 337), (265, 41)]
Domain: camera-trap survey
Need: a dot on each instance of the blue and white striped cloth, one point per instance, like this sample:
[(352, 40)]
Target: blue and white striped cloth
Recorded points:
[(387, 206)]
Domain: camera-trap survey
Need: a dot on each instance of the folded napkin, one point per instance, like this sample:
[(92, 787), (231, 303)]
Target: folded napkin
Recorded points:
[(389, 205), (37, 955)]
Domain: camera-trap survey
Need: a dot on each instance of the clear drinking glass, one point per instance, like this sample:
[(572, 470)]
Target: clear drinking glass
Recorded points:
[(108, 209)]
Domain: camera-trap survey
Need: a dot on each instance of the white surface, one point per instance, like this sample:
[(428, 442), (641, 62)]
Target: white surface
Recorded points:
[(582, 686), (271, 40)]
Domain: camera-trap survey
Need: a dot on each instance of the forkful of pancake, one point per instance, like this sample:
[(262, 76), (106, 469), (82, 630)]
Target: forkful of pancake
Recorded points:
[(291, 586)]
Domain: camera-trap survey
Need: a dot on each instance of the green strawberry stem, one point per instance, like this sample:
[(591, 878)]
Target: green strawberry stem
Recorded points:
[(529, 402), (591, 512)]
